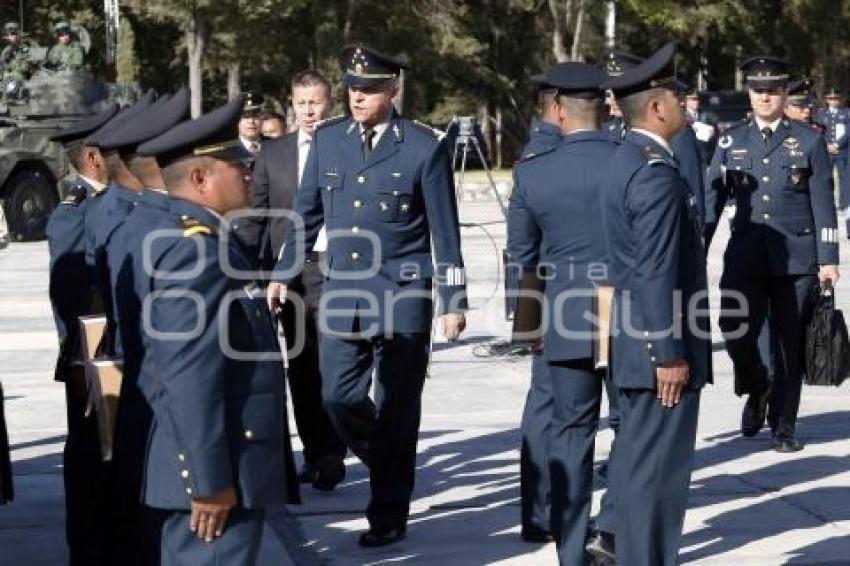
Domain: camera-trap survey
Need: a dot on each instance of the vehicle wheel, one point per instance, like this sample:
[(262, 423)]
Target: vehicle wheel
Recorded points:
[(28, 200)]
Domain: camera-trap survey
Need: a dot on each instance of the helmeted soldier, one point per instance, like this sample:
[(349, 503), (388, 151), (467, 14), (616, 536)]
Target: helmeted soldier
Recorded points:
[(65, 54)]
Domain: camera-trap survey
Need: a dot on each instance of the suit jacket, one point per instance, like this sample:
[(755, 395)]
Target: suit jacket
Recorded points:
[(783, 194), (275, 182), (553, 220), (211, 371), (657, 264), (382, 215)]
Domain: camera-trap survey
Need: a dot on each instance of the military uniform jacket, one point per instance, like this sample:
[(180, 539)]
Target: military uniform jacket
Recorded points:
[(108, 213), (211, 371), (836, 127), (382, 215), (70, 286), (785, 212), (554, 223), (657, 265)]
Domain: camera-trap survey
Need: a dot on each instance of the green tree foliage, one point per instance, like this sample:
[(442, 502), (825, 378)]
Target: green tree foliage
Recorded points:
[(467, 56)]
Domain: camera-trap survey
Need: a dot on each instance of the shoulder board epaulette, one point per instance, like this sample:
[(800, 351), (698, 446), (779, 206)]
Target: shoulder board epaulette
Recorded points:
[(652, 156), (533, 154), (76, 195), (329, 121), (439, 134), (192, 226)]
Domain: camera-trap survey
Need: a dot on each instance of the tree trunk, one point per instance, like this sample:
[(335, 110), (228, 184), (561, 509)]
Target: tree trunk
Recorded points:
[(349, 20), (575, 54), (559, 29), (195, 43), (233, 83)]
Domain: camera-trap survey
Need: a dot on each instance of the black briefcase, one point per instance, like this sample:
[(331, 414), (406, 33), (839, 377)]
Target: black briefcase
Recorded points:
[(827, 347)]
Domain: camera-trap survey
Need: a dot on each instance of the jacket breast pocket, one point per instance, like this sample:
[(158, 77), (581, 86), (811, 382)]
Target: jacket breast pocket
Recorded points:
[(797, 173), (332, 184), (396, 204)]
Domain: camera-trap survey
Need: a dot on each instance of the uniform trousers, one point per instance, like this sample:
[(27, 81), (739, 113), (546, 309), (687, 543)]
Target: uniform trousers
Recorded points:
[(317, 433), (238, 545), (785, 302), (85, 477), (535, 428), (383, 433), (577, 395), (651, 474)]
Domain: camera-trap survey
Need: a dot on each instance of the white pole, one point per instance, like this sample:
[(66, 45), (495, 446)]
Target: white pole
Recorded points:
[(611, 25)]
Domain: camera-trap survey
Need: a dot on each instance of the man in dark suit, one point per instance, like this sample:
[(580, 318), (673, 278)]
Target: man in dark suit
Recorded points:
[(661, 350), (277, 173)]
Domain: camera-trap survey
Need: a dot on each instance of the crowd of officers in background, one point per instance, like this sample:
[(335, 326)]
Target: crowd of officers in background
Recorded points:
[(201, 444), (16, 58)]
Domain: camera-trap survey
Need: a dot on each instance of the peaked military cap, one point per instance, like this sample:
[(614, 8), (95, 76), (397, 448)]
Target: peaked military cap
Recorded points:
[(62, 27), (254, 103), (214, 135), (799, 93), (366, 67), (765, 71), (119, 120), (657, 71), (577, 80), (157, 119), (82, 128), (616, 62), (11, 27)]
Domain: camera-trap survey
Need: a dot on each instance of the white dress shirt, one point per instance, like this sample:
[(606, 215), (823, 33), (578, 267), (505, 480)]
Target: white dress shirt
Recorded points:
[(304, 139)]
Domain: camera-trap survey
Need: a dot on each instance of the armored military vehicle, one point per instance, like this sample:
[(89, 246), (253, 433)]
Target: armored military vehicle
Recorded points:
[(31, 110)]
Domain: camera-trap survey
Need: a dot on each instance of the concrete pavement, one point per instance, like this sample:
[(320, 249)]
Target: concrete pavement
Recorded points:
[(748, 506)]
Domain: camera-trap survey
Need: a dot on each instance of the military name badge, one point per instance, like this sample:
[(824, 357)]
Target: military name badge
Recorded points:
[(725, 142)]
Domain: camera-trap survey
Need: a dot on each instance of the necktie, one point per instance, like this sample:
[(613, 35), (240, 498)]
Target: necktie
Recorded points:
[(766, 133), (368, 135)]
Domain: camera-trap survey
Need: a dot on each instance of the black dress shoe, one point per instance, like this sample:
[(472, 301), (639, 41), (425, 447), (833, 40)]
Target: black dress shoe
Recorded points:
[(601, 546), (307, 473), (374, 537), (536, 535), (755, 412), (329, 473), (787, 444)]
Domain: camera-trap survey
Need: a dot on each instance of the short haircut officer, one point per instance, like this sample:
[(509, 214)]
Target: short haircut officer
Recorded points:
[(134, 528), (383, 187), (217, 456), (547, 205), (784, 238), (661, 351), (71, 297), (836, 120)]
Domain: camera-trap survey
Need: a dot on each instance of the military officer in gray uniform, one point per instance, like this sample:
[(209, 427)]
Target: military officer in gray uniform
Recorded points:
[(534, 486), (71, 291), (553, 220), (784, 239), (661, 338), (383, 187), (212, 364), (836, 120)]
